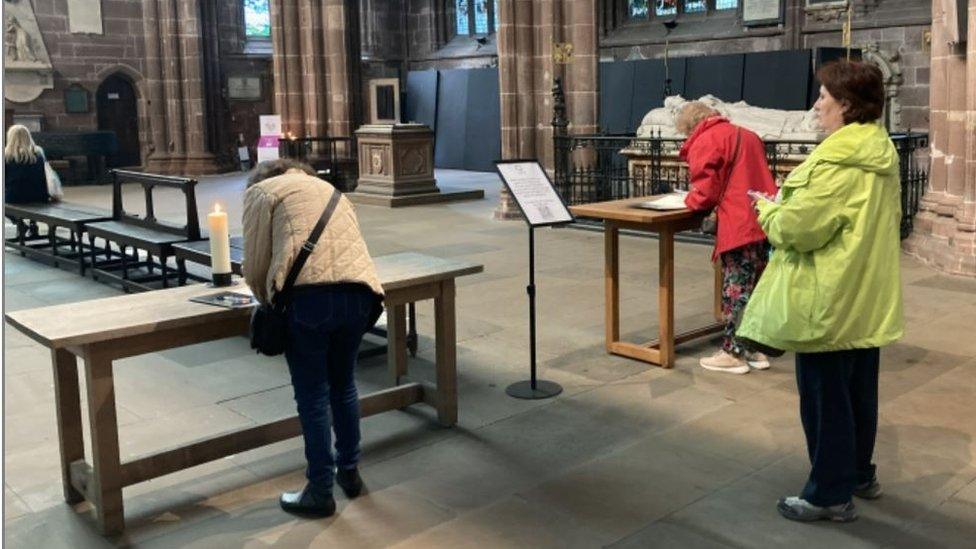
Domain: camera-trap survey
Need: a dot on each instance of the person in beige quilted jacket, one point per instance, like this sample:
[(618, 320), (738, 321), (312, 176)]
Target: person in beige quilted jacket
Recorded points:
[(336, 298)]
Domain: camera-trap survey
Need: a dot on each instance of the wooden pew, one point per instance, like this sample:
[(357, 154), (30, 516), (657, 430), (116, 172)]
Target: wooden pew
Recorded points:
[(146, 233), (49, 246)]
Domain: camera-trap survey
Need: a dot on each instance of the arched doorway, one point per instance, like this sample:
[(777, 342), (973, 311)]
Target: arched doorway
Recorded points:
[(118, 112)]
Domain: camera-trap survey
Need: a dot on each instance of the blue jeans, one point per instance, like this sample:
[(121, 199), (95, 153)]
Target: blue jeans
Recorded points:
[(325, 327), (839, 411)]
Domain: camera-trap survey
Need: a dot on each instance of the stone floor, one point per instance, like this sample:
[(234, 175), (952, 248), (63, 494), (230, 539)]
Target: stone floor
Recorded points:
[(627, 456)]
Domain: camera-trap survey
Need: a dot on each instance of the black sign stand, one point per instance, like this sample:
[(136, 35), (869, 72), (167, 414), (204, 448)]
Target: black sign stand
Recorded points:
[(532, 388)]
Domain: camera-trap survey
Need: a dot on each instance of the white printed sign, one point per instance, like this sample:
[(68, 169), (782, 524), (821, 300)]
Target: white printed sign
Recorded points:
[(270, 125), (533, 191)]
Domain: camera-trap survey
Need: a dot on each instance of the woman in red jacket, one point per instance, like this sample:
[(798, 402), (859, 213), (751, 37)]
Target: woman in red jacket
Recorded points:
[(724, 162)]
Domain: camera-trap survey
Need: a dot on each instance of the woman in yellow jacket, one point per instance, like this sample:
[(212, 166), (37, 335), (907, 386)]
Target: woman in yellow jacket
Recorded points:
[(832, 290)]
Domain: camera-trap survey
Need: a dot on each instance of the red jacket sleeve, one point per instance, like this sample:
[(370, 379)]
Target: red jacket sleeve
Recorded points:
[(706, 167)]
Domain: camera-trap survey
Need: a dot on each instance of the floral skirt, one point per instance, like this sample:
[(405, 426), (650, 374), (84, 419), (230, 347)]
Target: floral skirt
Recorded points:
[(741, 269)]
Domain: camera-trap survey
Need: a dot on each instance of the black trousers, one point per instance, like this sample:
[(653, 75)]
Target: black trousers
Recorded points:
[(839, 411)]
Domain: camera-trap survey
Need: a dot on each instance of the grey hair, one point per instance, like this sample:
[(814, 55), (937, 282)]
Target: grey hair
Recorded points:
[(274, 168), (691, 114)]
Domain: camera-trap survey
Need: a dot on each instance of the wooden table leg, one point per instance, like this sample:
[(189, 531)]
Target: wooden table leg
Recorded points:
[(67, 400), (396, 342), (718, 291), (665, 297), (106, 486), (611, 269), (445, 333)]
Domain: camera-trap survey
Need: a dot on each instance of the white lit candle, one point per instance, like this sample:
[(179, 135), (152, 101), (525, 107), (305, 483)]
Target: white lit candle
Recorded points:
[(219, 246)]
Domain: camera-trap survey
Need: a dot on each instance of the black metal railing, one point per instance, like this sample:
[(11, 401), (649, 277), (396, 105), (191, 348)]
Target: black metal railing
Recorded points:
[(594, 168), (334, 158), (914, 176)]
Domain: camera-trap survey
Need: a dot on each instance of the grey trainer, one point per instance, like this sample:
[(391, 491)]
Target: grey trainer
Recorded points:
[(795, 508)]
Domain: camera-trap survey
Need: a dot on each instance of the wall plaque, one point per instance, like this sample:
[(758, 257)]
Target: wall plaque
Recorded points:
[(85, 16), (762, 12), (244, 88), (76, 99)]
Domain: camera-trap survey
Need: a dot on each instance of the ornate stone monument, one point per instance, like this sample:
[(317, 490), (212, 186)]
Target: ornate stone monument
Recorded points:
[(769, 124), (27, 67), (396, 167)]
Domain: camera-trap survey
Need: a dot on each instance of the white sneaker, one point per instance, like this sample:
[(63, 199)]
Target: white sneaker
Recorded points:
[(757, 360), (725, 362)]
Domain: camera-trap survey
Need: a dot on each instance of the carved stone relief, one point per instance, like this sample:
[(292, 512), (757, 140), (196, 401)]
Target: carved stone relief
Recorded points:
[(413, 161), (377, 157), (27, 70), (891, 72)]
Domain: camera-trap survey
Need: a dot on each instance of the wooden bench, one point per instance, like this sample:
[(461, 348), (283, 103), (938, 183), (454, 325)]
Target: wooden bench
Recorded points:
[(199, 252), (146, 233), (105, 330), (49, 246)]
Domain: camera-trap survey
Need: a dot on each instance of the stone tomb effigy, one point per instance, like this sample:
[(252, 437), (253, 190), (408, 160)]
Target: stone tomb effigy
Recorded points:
[(791, 134)]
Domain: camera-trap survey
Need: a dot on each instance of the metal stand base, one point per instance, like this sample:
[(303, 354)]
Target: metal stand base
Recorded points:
[(543, 389)]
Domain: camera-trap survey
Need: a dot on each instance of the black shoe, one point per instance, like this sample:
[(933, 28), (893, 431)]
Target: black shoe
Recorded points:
[(869, 490), (755, 346), (308, 502), (350, 482)]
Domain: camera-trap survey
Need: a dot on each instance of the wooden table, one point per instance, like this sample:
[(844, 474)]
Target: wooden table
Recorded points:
[(623, 214), (199, 252), (104, 330)]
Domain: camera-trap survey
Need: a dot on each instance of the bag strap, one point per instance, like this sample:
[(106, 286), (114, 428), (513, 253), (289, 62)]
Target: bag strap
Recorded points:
[(308, 246), (735, 156)]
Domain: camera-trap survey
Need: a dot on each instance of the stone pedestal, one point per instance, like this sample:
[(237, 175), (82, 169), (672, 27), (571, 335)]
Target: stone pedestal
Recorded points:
[(396, 167)]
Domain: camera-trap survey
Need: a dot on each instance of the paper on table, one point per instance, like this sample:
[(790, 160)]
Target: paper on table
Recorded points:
[(230, 300), (670, 201)]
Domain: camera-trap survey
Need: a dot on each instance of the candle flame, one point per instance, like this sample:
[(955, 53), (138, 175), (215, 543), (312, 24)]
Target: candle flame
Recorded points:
[(217, 208)]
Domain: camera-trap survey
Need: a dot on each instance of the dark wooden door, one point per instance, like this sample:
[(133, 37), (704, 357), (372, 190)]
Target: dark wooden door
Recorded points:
[(117, 112)]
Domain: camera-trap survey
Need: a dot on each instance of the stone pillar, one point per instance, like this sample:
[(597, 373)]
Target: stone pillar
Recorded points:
[(527, 30), (316, 66), (175, 80), (966, 214), (945, 228), (342, 64)]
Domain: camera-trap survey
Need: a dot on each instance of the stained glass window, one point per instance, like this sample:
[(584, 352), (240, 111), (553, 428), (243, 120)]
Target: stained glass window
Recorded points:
[(666, 7), (638, 9), (462, 17), (257, 18), (726, 4), (694, 6), (481, 16)]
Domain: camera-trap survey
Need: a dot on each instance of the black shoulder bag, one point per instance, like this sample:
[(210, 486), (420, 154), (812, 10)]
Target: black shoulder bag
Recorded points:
[(268, 321), (710, 222)]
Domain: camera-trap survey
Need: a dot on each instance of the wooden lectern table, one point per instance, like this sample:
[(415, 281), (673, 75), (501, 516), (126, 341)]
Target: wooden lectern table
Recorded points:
[(624, 214)]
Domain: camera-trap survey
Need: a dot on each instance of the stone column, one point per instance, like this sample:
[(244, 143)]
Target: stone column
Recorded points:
[(158, 158), (966, 214), (316, 65), (527, 30), (174, 49), (945, 228), (298, 65), (342, 63)]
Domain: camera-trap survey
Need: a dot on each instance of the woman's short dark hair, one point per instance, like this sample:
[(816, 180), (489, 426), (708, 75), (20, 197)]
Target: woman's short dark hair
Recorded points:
[(274, 168), (857, 84)]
